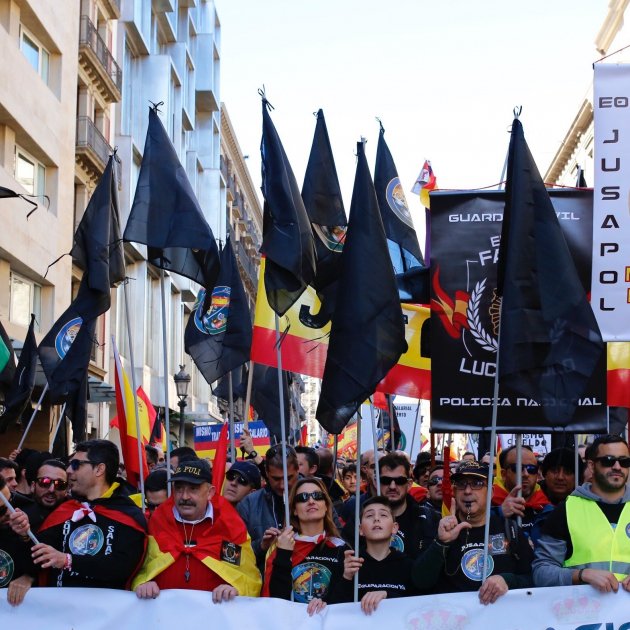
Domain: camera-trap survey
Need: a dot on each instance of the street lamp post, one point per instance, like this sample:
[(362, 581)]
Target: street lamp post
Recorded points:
[(182, 380)]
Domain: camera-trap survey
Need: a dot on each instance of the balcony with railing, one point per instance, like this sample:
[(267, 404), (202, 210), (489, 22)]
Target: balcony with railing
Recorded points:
[(92, 149), (247, 264), (97, 61)]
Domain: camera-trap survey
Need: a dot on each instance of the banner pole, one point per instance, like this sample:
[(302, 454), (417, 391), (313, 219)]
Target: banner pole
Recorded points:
[(11, 509), (134, 386), (335, 451), (391, 423), (377, 474), (248, 394), (231, 412), (357, 503), (30, 422), (415, 427), (287, 520), (61, 419), (167, 418), (493, 442)]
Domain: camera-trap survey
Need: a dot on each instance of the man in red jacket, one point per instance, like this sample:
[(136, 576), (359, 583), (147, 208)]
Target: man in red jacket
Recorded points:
[(197, 540)]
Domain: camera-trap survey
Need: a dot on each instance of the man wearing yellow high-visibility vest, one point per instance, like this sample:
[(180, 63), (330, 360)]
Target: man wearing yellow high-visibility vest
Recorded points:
[(586, 539)]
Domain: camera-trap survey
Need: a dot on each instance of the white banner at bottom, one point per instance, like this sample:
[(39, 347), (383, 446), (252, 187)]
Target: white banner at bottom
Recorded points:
[(562, 608)]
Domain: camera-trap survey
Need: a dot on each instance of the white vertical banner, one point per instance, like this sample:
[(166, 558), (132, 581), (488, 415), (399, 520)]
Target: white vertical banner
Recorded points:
[(610, 287)]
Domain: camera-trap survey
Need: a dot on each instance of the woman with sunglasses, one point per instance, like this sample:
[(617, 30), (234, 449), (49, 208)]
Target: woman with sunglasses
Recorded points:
[(454, 561), (309, 555)]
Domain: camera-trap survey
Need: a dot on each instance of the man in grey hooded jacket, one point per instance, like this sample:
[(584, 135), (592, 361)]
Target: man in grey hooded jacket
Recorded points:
[(586, 539)]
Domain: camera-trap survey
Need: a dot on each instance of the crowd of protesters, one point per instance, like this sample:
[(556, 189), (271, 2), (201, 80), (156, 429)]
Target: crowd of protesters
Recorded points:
[(77, 522)]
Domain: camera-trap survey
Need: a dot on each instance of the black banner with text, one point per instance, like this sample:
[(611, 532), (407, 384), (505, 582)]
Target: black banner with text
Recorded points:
[(465, 236)]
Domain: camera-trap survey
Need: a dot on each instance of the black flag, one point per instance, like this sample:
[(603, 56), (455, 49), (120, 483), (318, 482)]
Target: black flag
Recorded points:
[(265, 398), (65, 351), (166, 215), (7, 360), (412, 276), (321, 194), (19, 395), (368, 332), (98, 247), (219, 339), (549, 342), (287, 237), (239, 389)]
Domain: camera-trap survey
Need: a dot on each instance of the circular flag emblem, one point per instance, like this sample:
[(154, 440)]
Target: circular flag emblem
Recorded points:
[(472, 564), (66, 336), (214, 321), (333, 237), (397, 202), (397, 543), (6, 568), (86, 540), (310, 579)]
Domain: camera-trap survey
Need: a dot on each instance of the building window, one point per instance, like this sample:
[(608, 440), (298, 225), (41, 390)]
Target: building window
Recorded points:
[(30, 173), (25, 298), (36, 54)]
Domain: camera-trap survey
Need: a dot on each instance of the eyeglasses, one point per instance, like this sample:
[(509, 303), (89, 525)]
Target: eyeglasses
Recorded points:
[(475, 484), (232, 475), (45, 482), (530, 469), (435, 480), (399, 481), (608, 461), (75, 464), (303, 497)]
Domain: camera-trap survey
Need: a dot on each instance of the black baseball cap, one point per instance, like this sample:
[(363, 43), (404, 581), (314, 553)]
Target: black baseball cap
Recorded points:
[(471, 469), (194, 471), (249, 471)]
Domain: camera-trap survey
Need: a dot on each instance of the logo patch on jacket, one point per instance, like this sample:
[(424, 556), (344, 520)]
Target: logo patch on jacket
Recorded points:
[(231, 552)]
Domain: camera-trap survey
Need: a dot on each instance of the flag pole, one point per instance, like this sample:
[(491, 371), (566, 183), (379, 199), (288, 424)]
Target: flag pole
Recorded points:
[(30, 422), (231, 412), (357, 503), (519, 470), (11, 509), (391, 423), (248, 394), (61, 418), (285, 476), (377, 474), (415, 427), (167, 419), (577, 461), (335, 452), (134, 386)]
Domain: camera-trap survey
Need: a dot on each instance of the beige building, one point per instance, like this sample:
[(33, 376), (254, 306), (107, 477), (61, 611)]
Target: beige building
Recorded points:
[(576, 149), (38, 98)]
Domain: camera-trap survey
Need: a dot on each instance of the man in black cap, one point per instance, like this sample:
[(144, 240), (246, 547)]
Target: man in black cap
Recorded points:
[(242, 479), (197, 541), (454, 561)]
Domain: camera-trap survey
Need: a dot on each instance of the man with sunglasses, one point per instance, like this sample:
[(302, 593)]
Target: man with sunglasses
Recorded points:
[(434, 487), (242, 479), (97, 538), (534, 506), (454, 561), (586, 540)]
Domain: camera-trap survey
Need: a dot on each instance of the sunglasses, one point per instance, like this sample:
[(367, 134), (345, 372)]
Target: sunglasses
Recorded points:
[(530, 469), (75, 464), (608, 461), (45, 482), (399, 481), (475, 484), (233, 475), (303, 497), (435, 480)]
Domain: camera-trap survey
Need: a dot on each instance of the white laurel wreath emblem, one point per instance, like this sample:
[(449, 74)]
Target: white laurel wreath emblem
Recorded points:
[(486, 341)]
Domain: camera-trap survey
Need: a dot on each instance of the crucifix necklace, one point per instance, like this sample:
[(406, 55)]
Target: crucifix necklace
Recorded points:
[(187, 545)]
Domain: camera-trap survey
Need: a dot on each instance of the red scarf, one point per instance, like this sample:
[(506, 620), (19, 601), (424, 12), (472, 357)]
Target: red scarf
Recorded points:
[(536, 501), (227, 525)]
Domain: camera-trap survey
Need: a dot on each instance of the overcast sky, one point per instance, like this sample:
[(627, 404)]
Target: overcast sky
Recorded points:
[(443, 76)]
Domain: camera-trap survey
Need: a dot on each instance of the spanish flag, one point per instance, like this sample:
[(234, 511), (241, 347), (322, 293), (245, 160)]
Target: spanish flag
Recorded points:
[(127, 426), (304, 349), (618, 374)]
